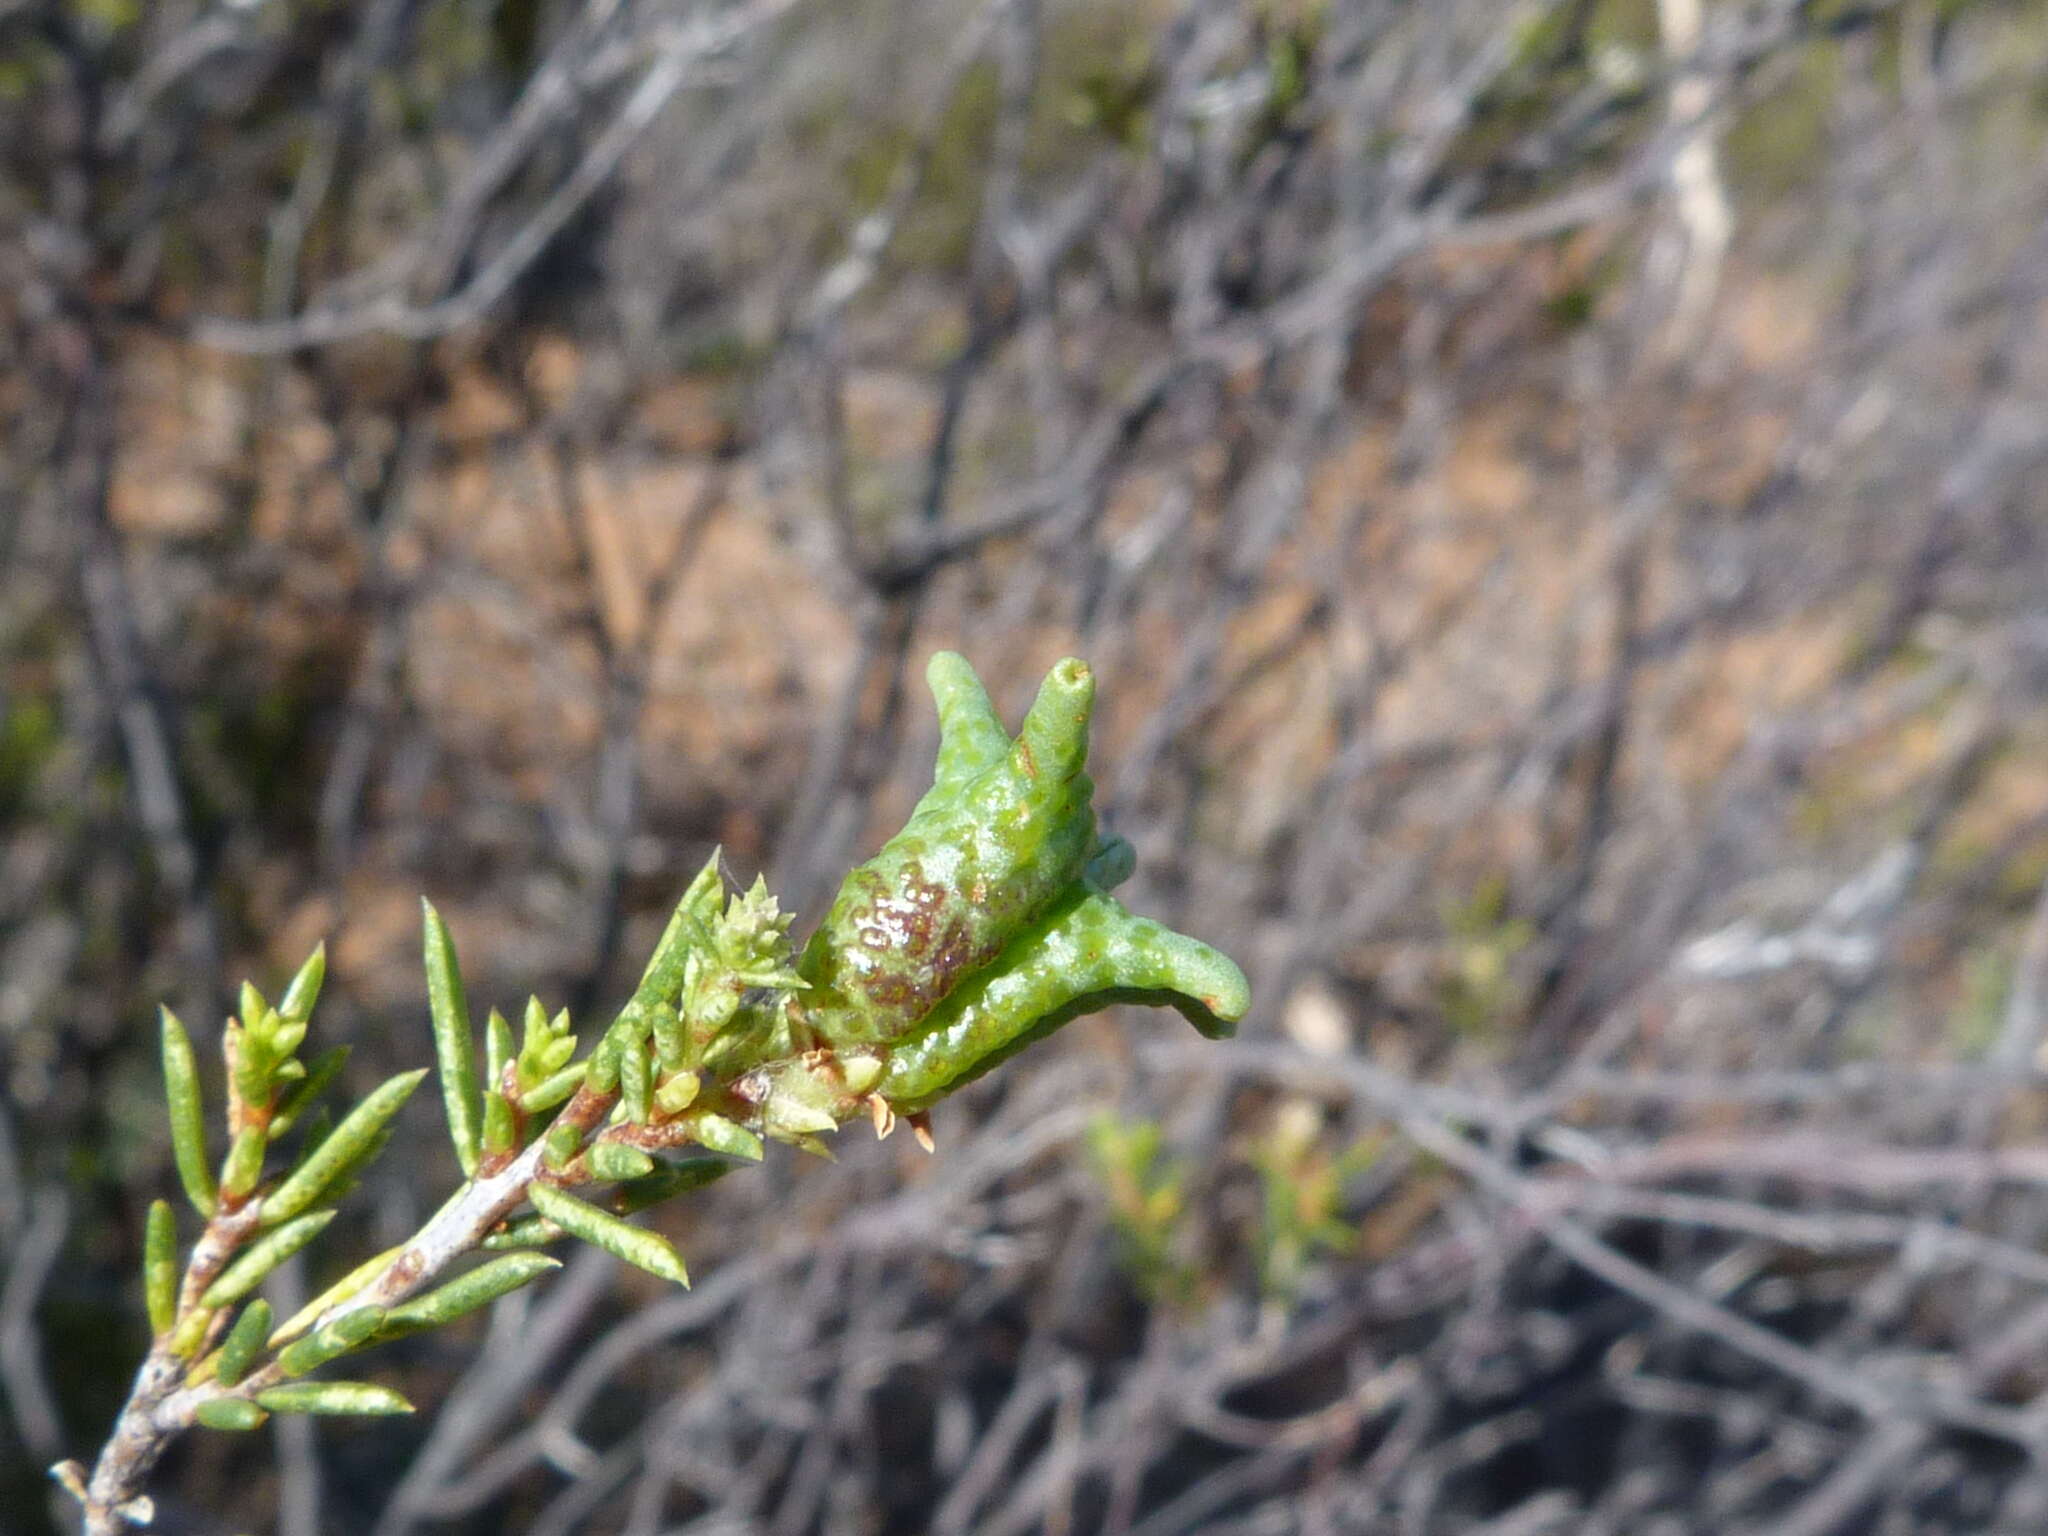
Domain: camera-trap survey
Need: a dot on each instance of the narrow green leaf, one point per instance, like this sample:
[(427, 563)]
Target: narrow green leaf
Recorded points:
[(322, 1071), (261, 1257), (248, 1062), (479, 1288), (527, 1232), (497, 1047), (643, 1249), (253, 1009), (616, 1161), (563, 1143), (678, 1093), (245, 1341), (230, 1413), (365, 1123), (190, 1333), (635, 1074), (335, 1295), (551, 1091), (663, 978), (669, 1043), (723, 1135), (160, 1267), (454, 1042), (304, 992), (188, 1116), (669, 1180), (332, 1397), (331, 1340), (500, 1129), (244, 1163), (601, 1071)]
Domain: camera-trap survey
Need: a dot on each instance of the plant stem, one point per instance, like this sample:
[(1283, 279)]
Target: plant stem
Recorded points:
[(158, 1409)]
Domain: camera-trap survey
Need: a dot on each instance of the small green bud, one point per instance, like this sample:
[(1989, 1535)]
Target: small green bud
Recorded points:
[(232, 1413), (614, 1160), (563, 1143), (244, 1165), (677, 1094)]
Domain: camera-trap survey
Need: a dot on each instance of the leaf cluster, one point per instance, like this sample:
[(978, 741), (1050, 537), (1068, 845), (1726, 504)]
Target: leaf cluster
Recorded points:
[(982, 926)]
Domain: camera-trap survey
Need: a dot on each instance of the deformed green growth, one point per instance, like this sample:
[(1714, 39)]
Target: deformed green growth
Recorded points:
[(986, 923), (1005, 829)]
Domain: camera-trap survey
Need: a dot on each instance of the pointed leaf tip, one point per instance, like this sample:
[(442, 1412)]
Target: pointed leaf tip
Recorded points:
[(304, 991)]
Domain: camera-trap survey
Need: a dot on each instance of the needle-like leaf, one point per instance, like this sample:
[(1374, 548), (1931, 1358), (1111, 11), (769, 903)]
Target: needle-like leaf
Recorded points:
[(479, 1288), (332, 1397), (321, 1072), (245, 1341), (188, 1116), (299, 998), (261, 1257), (344, 1144), (454, 1041), (330, 1340), (643, 1249), (160, 1267)]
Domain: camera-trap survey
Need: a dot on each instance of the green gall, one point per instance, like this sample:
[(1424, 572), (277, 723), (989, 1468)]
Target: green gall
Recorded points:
[(994, 843), (1086, 955)]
